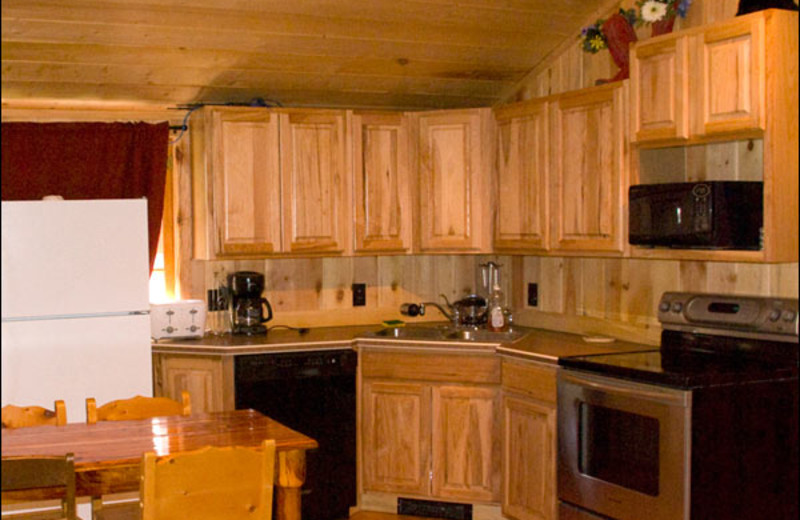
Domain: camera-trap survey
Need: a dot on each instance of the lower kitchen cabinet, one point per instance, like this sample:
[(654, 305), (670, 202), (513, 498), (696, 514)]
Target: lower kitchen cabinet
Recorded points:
[(208, 379), (431, 425), (529, 441)]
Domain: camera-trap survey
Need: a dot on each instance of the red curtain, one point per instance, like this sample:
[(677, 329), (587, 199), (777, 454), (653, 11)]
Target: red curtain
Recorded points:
[(87, 161)]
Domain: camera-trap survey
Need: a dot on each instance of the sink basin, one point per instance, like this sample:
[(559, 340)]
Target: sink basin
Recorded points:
[(410, 333), (446, 334)]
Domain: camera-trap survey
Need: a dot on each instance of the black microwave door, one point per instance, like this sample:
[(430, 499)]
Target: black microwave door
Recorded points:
[(669, 219)]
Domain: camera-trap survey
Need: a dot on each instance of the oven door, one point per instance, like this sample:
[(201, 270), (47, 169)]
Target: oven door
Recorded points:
[(623, 447)]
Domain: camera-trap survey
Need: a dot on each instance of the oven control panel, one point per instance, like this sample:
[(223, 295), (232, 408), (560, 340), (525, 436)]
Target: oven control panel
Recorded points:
[(765, 315)]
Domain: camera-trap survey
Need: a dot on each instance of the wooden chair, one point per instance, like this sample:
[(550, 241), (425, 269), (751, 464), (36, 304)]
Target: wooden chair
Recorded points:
[(137, 408), (126, 506), (209, 484), (26, 473), (24, 416)]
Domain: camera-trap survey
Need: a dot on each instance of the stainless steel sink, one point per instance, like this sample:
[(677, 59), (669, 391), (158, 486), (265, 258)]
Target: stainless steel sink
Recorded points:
[(446, 333)]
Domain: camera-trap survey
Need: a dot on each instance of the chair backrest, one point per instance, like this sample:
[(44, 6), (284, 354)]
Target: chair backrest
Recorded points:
[(137, 408), (23, 473), (24, 416), (210, 483)]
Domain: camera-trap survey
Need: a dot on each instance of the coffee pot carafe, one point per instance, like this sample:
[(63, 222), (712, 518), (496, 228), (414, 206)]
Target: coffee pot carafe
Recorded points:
[(247, 303)]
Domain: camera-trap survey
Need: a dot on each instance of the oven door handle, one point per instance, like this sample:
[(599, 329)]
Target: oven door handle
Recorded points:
[(627, 389)]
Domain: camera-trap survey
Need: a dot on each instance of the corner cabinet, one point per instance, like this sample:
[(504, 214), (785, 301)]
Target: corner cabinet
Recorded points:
[(529, 440), (454, 150), (268, 182), (381, 182), (429, 430), (588, 168)]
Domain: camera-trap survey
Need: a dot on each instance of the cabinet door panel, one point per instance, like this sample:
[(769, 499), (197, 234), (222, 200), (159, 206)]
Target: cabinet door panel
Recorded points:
[(313, 168), (466, 455), (732, 77), (201, 377), (521, 215), (529, 449), (660, 95), (396, 437), (588, 179), (452, 187), (246, 173), (382, 203)]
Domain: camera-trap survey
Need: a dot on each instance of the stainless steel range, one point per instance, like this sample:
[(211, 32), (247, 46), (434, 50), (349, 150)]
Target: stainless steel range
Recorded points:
[(705, 427)]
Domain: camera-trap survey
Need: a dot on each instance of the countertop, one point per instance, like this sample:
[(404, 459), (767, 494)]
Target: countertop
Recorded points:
[(536, 344)]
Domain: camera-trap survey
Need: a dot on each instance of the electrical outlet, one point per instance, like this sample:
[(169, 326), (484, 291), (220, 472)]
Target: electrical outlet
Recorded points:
[(533, 294), (359, 294)]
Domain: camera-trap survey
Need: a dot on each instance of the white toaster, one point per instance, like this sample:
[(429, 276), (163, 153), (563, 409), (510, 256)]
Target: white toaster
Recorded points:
[(181, 319)]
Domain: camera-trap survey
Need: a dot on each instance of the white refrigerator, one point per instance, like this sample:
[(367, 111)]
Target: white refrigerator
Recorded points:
[(75, 304)]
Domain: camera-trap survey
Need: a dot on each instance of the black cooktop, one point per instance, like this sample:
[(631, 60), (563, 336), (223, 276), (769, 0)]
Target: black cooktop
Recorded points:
[(682, 369)]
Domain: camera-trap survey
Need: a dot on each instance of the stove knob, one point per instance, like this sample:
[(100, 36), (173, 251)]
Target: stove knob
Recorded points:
[(788, 315), (775, 315), (663, 306), (677, 307)]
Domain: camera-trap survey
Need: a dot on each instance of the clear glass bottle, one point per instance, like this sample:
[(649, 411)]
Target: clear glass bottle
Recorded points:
[(496, 315)]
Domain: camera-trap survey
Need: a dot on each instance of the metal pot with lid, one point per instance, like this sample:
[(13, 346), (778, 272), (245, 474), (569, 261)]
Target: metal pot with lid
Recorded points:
[(471, 310)]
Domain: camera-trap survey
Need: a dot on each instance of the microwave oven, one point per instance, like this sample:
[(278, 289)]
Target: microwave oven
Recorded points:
[(701, 215)]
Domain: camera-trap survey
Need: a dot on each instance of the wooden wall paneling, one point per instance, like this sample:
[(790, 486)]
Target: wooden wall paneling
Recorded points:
[(593, 287), (337, 276), (783, 280), (183, 228), (613, 289), (643, 283), (392, 290), (294, 284)]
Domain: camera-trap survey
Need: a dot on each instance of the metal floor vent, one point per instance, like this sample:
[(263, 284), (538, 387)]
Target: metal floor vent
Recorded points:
[(431, 509)]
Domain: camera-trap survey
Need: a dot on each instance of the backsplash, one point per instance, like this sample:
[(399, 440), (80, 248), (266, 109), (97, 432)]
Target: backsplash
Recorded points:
[(618, 292)]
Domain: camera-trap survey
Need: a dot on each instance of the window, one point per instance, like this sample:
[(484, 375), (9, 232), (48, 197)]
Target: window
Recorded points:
[(163, 282)]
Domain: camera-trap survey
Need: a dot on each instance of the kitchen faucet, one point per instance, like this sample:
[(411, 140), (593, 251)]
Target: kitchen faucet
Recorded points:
[(413, 309)]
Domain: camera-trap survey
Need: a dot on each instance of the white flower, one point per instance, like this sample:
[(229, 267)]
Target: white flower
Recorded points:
[(653, 11)]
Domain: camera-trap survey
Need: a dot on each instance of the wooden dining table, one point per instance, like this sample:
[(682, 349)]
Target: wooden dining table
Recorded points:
[(108, 454)]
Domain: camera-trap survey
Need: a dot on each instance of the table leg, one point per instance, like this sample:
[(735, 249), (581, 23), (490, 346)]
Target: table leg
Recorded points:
[(291, 475)]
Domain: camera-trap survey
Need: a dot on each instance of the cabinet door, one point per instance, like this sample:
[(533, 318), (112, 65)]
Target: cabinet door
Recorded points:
[(732, 77), (313, 166), (466, 452), (660, 90), (522, 147), (529, 466), (243, 170), (381, 175), (202, 377), (588, 171), (396, 432), (453, 187)]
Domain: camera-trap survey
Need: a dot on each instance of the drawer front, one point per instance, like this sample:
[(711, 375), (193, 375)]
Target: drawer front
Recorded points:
[(481, 369), (530, 378)]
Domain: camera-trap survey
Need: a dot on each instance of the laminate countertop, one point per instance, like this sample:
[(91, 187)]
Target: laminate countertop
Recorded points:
[(534, 344)]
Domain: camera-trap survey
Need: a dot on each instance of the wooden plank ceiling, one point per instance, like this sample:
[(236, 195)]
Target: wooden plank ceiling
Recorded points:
[(399, 54)]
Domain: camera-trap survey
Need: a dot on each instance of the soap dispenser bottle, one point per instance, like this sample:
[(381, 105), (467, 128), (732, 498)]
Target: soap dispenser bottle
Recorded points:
[(496, 321)]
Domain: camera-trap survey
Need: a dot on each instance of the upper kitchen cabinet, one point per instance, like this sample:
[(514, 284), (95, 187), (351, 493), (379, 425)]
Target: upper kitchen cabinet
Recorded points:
[(314, 174), (521, 206), (382, 202), (455, 151), (715, 81), (588, 171), (268, 182), (236, 182)]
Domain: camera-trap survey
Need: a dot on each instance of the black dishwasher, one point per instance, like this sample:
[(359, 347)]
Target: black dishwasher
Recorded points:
[(314, 393)]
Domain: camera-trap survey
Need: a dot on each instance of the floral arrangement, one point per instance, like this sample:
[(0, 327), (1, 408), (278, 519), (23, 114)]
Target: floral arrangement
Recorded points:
[(656, 10), (593, 38)]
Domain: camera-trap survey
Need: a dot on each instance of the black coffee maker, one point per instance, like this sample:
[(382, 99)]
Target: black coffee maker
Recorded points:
[(247, 304)]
